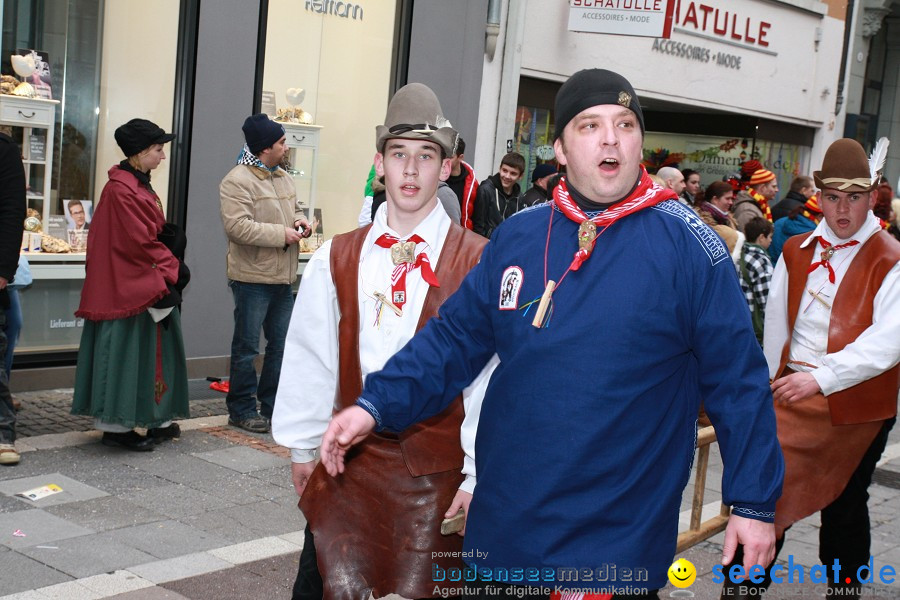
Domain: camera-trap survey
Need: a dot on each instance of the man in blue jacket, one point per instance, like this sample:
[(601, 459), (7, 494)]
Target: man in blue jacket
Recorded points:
[(611, 329)]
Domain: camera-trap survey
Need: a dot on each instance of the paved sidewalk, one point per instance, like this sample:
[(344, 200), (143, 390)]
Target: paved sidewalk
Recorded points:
[(213, 515)]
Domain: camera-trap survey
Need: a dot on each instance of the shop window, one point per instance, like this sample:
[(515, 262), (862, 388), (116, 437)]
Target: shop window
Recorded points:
[(327, 76), (717, 158), (103, 63), (534, 138), (96, 64)]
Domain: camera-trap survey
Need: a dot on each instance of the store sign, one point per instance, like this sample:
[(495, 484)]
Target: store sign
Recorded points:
[(697, 53), (648, 18), (729, 25), (346, 10)]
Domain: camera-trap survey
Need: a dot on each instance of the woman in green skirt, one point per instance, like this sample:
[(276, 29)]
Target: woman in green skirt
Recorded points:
[(131, 366)]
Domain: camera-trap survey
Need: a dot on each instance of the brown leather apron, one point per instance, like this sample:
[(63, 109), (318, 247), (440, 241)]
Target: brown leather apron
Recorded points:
[(819, 457), (370, 539), (377, 527)]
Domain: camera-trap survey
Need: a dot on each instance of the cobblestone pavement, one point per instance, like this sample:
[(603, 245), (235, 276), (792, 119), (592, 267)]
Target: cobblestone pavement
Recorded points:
[(47, 411)]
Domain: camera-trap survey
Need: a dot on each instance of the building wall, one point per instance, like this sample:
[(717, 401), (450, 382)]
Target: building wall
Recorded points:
[(889, 113), (225, 77), (790, 75), (446, 54), (779, 75)]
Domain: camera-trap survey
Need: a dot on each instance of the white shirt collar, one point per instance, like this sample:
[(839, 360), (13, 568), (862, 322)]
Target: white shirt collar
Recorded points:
[(432, 229), (868, 229)]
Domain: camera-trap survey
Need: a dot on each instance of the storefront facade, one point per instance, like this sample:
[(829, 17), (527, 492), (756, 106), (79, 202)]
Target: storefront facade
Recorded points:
[(872, 90), (736, 79), (199, 68)]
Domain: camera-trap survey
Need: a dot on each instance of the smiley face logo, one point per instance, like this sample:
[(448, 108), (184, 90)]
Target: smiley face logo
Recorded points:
[(682, 573)]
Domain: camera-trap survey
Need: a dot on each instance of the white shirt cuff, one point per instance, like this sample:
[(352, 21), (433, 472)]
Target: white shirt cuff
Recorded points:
[(827, 379), (304, 456), (468, 484)]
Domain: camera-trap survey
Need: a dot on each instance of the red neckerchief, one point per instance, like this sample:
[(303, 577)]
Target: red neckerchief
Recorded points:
[(645, 195), (828, 250), (398, 277), (762, 203)]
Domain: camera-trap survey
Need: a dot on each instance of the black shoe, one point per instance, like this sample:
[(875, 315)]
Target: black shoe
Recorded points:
[(161, 434), (130, 440)]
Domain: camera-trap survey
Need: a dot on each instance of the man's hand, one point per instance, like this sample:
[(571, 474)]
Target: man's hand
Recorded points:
[(794, 388), (460, 501), (3, 283), (757, 537), (348, 427), (291, 236), (303, 226), (300, 474)]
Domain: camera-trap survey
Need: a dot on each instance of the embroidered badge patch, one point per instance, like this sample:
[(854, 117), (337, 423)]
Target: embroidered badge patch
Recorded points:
[(624, 99), (399, 297), (510, 286)]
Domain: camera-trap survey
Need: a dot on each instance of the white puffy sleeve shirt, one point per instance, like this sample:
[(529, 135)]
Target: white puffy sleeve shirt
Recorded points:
[(305, 399), (875, 351)]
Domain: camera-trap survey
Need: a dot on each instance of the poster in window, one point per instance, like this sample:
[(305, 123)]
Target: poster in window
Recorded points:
[(78, 221), (40, 78)]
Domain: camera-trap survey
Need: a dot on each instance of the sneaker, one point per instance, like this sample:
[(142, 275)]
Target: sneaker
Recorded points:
[(8, 455), (161, 434), (254, 424), (130, 440)]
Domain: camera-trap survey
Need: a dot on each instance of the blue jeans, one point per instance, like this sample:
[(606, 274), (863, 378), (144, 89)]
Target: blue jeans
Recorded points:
[(7, 414), (257, 306), (12, 328)]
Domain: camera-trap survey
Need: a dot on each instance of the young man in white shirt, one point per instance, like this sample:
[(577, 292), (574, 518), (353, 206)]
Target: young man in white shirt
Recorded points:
[(362, 297), (832, 342)]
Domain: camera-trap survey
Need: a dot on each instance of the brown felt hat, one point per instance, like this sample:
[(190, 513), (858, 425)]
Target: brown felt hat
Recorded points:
[(845, 168), (414, 113)]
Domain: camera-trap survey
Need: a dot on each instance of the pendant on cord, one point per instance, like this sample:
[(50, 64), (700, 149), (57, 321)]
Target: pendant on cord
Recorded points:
[(403, 252), (587, 233), (827, 253)]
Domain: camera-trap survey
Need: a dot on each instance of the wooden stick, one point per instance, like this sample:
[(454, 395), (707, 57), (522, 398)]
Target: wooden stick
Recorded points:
[(819, 298), (384, 300), (544, 304)]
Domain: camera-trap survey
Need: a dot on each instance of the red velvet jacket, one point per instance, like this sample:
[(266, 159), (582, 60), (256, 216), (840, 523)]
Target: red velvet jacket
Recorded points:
[(127, 267)]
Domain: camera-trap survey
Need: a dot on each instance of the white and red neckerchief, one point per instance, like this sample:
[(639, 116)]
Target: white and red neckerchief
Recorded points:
[(828, 250), (398, 276), (646, 194)]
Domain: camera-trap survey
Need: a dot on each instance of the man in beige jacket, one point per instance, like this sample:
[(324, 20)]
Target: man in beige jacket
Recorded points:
[(263, 222)]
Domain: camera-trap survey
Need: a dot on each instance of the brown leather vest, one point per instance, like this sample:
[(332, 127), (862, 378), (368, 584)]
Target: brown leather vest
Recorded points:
[(851, 313), (431, 446)]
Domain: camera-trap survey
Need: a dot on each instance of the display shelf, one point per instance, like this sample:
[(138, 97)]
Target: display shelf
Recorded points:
[(34, 257), (302, 142), (33, 114)]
